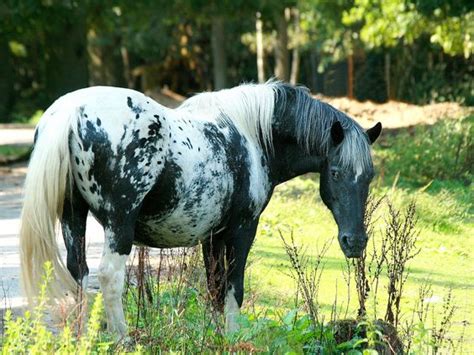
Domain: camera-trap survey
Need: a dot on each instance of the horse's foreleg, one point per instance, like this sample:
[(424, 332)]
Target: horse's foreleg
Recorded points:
[(213, 252), (237, 250), (118, 244)]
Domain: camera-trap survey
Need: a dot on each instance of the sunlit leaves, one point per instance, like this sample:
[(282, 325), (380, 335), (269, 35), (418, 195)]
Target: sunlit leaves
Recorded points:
[(456, 35), (391, 22)]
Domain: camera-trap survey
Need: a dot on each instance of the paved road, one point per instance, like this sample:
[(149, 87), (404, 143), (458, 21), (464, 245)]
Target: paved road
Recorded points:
[(16, 135)]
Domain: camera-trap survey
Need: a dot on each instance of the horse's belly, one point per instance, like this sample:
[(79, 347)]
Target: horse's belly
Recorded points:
[(193, 219), (170, 234), (178, 229)]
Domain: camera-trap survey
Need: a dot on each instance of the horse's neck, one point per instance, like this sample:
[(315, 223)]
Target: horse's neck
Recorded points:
[(289, 159)]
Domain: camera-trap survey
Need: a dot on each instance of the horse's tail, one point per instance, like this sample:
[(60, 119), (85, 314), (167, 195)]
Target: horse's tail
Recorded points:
[(48, 178)]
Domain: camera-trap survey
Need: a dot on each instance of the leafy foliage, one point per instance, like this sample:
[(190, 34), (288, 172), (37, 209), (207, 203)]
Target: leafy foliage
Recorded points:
[(31, 333), (439, 152), (150, 44), (386, 23)]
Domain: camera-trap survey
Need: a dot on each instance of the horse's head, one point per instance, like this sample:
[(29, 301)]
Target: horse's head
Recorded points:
[(344, 190)]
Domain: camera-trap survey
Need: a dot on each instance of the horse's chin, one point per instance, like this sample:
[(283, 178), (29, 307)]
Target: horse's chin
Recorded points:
[(353, 254)]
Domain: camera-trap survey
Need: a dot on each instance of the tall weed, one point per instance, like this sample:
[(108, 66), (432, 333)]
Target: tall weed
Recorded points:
[(33, 334)]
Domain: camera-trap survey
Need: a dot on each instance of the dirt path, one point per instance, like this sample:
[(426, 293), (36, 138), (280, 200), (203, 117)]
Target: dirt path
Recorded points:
[(394, 115), (16, 134)]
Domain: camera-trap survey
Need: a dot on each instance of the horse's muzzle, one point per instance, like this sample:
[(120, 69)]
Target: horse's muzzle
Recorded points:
[(353, 245)]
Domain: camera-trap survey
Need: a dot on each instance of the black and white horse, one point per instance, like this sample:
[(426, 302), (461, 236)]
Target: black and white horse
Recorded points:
[(201, 173)]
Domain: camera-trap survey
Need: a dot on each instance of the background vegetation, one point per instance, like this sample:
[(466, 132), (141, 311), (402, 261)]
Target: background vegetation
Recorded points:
[(413, 50)]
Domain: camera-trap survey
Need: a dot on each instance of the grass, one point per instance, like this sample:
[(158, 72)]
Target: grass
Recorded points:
[(10, 153), (13, 150), (445, 259), (422, 154), (27, 116)]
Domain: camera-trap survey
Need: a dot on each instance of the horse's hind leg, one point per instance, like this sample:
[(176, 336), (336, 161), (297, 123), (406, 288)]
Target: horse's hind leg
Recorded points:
[(73, 225), (118, 244)]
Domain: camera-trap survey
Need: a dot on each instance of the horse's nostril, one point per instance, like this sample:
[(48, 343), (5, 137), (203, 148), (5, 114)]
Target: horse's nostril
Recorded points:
[(345, 240)]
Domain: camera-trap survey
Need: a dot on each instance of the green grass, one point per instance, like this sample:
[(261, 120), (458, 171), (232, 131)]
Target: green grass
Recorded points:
[(424, 154), (445, 258), (31, 334), (8, 152), (27, 116)]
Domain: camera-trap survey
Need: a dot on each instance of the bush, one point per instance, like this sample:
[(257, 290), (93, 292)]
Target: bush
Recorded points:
[(426, 153)]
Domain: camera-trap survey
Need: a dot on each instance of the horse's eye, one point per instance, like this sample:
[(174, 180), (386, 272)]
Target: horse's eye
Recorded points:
[(335, 174)]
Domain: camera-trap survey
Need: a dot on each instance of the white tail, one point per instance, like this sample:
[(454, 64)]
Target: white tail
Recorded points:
[(49, 171)]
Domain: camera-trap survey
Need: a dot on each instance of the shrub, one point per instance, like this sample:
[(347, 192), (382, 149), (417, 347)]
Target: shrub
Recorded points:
[(426, 153), (31, 334)]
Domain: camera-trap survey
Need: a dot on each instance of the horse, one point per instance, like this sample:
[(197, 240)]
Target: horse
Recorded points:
[(199, 174)]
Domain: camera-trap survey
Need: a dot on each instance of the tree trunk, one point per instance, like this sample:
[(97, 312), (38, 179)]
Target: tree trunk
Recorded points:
[(126, 67), (66, 66), (106, 65), (295, 62), (350, 76), (6, 81), (218, 52), (387, 76), (259, 45), (281, 46), (314, 69)]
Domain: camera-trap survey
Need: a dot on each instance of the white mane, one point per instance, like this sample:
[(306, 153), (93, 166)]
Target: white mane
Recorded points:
[(249, 107), (252, 107)]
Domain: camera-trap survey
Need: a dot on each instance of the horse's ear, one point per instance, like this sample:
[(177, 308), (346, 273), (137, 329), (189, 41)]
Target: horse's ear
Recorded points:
[(337, 132), (374, 132)]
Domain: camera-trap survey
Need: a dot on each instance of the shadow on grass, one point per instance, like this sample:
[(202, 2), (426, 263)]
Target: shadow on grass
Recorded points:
[(416, 275)]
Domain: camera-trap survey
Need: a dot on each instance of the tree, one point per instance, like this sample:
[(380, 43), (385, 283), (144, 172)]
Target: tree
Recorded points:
[(327, 39), (259, 47), (282, 54), (218, 15), (219, 56), (414, 30), (449, 24), (47, 62), (67, 61), (105, 45), (295, 60), (6, 73)]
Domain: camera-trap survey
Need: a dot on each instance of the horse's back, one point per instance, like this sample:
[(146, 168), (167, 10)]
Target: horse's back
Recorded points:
[(113, 105), (118, 140)]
